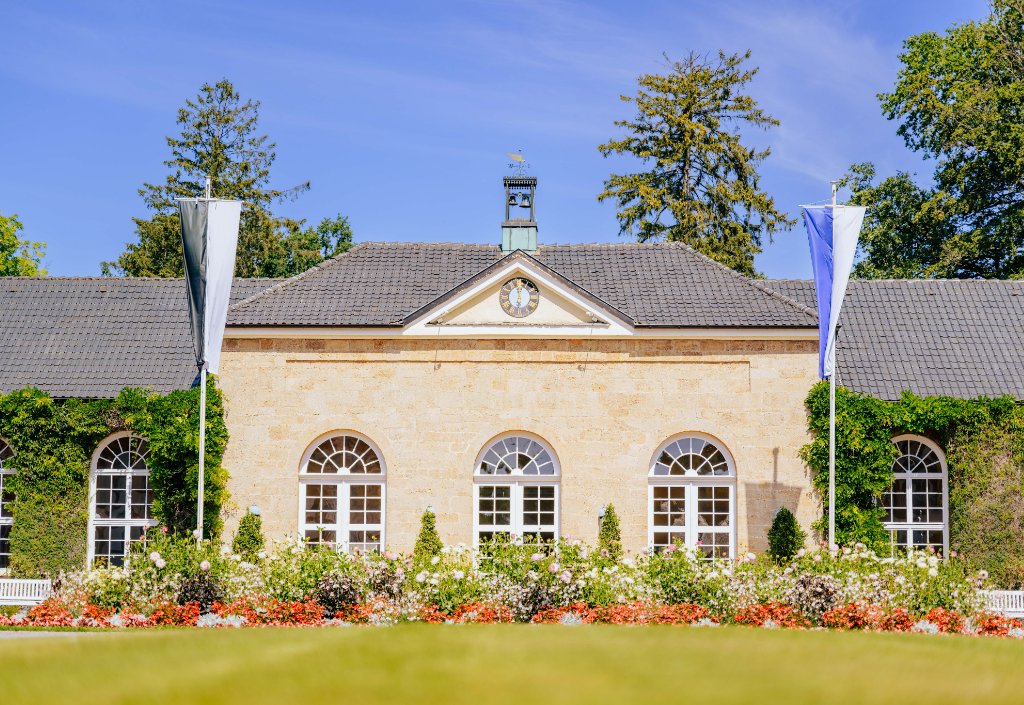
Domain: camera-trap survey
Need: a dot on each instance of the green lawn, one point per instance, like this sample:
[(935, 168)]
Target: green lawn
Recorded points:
[(509, 664)]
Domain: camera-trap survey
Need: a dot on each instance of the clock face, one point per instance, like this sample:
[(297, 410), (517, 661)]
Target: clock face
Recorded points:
[(519, 297)]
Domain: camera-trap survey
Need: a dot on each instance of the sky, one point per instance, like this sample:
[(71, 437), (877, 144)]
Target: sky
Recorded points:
[(400, 114)]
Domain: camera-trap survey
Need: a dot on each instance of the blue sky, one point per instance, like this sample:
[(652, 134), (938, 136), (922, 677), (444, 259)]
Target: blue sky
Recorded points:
[(400, 113)]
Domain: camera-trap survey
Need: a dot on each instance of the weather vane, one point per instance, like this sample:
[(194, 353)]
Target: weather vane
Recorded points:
[(518, 165)]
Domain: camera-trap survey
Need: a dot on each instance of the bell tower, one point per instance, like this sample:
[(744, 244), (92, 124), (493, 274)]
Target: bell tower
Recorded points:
[(519, 230)]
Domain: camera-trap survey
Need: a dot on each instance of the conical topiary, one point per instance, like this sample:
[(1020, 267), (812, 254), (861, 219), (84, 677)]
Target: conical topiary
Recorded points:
[(785, 537), (428, 543), (249, 537), (609, 538)]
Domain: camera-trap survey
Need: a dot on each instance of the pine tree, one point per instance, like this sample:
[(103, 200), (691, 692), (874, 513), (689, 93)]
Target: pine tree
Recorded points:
[(609, 538), (785, 537), (701, 184), (428, 543)]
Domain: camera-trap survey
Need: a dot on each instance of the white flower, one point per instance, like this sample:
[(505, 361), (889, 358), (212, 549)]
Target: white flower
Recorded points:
[(933, 561), (421, 576), (458, 575), (160, 563), (933, 572), (751, 557), (565, 577), (537, 557), (433, 581), (817, 558), (801, 553), (983, 574), (435, 560), (154, 556), (204, 566), (261, 555), (195, 534)]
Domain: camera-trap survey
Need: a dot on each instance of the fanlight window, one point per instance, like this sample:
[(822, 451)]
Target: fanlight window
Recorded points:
[(915, 504), (121, 500), (6, 498), (342, 489), (692, 497), (516, 491), (516, 455), (691, 455)]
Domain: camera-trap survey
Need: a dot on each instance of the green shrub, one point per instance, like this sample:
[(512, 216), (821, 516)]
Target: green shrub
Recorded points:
[(53, 443), (428, 543), (249, 537), (785, 537), (609, 538)]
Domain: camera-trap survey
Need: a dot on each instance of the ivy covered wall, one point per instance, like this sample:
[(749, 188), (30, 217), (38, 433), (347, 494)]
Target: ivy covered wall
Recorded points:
[(984, 444), (53, 443)]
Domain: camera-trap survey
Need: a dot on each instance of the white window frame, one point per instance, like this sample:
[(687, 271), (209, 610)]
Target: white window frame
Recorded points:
[(6, 452), (909, 525), (692, 481), (517, 482), (344, 482), (127, 522)]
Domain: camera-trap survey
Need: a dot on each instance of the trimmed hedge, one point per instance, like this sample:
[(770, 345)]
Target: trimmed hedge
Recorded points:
[(54, 441)]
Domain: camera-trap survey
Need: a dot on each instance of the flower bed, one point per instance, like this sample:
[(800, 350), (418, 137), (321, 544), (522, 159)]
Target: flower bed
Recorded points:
[(175, 583)]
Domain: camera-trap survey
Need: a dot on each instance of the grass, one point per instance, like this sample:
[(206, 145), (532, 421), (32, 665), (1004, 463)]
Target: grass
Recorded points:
[(509, 664)]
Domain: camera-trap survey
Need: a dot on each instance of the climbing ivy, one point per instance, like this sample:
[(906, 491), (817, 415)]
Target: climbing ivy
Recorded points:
[(985, 457), (54, 441)]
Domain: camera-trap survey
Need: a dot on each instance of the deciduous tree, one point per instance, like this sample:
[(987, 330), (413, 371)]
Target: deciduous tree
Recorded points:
[(19, 258), (959, 101)]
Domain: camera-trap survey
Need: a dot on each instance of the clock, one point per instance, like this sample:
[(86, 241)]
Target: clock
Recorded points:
[(519, 297)]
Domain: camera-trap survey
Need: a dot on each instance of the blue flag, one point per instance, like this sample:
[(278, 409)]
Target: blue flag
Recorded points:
[(832, 233)]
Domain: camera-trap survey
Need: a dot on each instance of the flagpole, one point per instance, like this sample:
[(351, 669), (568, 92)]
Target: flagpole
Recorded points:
[(202, 424), (832, 430)]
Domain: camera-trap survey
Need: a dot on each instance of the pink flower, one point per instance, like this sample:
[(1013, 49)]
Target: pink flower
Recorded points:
[(204, 566), (390, 556), (536, 557), (553, 568), (671, 547), (565, 577), (163, 529)]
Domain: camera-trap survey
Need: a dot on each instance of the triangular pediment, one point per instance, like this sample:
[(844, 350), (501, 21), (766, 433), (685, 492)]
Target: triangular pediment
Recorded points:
[(519, 295)]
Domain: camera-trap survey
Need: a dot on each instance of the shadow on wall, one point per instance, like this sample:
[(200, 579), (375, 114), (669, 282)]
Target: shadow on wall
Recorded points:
[(764, 499)]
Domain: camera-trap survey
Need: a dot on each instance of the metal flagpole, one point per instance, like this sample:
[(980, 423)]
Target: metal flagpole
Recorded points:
[(832, 425), (202, 424)]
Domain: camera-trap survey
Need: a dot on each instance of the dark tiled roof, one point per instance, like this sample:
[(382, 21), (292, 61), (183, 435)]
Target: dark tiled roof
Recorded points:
[(380, 284), (961, 338), (92, 336)]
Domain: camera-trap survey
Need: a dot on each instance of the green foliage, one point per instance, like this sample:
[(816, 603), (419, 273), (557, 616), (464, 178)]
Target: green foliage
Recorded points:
[(701, 186), (19, 258), (609, 537), (987, 495), (785, 537), (53, 443), (249, 538), (428, 543), (958, 99), (984, 447), (220, 138)]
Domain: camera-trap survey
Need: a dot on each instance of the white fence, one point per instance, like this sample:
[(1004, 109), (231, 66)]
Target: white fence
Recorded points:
[(14, 591), (1006, 602)]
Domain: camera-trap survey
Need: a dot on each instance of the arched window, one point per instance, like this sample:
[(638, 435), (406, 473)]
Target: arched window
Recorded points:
[(516, 490), (915, 504), (692, 496), (6, 517), (342, 484), (120, 498)]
